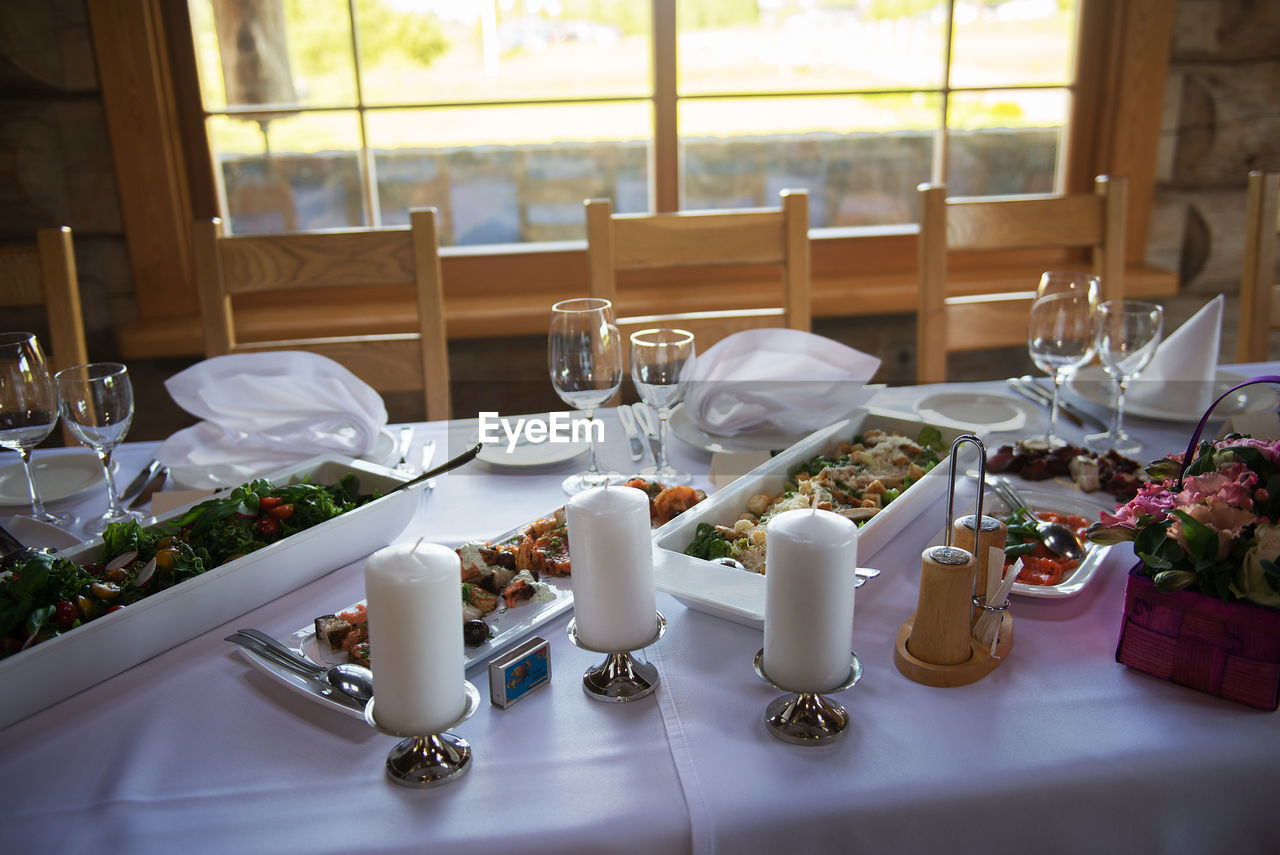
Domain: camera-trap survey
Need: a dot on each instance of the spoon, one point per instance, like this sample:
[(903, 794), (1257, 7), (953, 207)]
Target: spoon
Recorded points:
[(355, 681), (1060, 539), (863, 573)]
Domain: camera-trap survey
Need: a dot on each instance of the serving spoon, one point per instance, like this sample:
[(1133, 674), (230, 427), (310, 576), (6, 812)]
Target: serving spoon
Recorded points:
[(353, 680), (1060, 539), (14, 551)]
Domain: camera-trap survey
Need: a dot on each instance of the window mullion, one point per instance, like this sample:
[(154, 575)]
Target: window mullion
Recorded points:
[(665, 159), (368, 169)]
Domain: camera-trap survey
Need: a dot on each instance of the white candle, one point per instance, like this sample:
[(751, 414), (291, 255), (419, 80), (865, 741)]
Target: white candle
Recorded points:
[(808, 609), (415, 637), (610, 545)]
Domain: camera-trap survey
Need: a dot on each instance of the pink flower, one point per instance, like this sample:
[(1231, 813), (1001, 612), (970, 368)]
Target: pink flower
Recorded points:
[(1152, 499), (1233, 484), (1227, 522)]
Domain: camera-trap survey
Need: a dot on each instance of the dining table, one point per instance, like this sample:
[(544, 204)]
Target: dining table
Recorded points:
[(1060, 749)]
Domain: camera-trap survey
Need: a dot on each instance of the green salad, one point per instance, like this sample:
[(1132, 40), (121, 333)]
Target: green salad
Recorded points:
[(46, 596)]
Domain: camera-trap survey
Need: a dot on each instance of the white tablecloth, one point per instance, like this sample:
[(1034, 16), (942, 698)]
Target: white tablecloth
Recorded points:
[(1060, 749)]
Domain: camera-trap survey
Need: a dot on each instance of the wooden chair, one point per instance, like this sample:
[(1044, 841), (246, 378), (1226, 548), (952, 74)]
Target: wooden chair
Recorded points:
[(1258, 287), (947, 322), (772, 237), (230, 265), (44, 274)]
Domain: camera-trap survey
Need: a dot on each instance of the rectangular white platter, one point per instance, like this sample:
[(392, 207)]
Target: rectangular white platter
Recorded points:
[(738, 595), (62, 666)]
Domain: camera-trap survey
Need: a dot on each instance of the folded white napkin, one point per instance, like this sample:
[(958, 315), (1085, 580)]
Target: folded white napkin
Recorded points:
[(1182, 372), (777, 379), (264, 411)]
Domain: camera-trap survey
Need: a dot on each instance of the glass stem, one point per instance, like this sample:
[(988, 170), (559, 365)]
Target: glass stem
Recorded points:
[(663, 414), (113, 500), (37, 504), (1117, 426), (592, 469), (1053, 411)]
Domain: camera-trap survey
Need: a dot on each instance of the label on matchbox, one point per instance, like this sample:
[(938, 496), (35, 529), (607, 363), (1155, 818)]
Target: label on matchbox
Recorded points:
[(519, 672)]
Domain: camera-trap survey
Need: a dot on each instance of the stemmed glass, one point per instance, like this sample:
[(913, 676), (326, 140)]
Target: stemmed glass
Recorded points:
[(1060, 335), (1129, 332), (661, 361), (28, 407), (584, 355), (97, 404)]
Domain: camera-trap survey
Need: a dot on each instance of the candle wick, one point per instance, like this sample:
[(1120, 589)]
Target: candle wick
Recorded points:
[(415, 546)]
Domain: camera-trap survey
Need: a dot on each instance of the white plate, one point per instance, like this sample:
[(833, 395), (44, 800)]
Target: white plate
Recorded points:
[(683, 426), (738, 595), (975, 410), (1178, 404), (506, 628), (102, 648), (58, 477), (1064, 500), (530, 453)]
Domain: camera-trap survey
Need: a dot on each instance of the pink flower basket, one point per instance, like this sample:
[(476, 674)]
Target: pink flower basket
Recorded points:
[(1227, 649), (1231, 650)]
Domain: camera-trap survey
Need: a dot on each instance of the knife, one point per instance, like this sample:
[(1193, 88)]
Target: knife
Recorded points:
[(136, 484), (1030, 390), (153, 487), (649, 424), (628, 420)]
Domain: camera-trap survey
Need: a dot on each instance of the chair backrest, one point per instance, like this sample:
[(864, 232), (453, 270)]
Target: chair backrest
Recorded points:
[(1259, 291), (948, 322), (770, 237), (44, 274), (231, 265)]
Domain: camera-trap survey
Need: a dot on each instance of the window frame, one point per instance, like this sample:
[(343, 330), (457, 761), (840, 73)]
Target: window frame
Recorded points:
[(166, 181)]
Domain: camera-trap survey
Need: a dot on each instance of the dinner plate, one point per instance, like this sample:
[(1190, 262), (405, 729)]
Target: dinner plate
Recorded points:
[(1178, 402), (979, 411), (526, 453), (1065, 500), (58, 477)]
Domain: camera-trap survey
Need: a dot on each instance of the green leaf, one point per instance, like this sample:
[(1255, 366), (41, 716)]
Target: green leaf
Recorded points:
[(1202, 541)]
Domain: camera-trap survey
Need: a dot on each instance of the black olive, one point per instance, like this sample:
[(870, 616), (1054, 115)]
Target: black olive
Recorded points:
[(507, 560), (475, 632)]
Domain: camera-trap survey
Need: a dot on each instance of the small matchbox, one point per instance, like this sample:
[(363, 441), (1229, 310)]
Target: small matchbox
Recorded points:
[(519, 672)]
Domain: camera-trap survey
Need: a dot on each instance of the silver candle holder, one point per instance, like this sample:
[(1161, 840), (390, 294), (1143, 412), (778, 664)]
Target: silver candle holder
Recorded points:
[(808, 718), (428, 760), (620, 677)]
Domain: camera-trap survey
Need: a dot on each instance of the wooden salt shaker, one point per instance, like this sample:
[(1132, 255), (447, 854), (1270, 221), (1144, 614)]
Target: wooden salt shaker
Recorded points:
[(995, 534), (935, 645)]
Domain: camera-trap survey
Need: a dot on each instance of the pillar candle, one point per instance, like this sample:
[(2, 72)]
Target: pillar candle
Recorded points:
[(610, 543), (415, 637), (808, 610)]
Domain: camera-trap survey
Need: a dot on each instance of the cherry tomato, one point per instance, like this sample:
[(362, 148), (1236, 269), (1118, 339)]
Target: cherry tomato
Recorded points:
[(114, 608), (65, 614), (268, 502), (280, 512), (269, 526)]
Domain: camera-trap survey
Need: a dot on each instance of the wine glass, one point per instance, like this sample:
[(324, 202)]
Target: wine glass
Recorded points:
[(28, 407), (1129, 332), (584, 355), (661, 361), (1060, 331), (97, 404)]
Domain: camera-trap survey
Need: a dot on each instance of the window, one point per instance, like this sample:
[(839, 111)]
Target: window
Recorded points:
[(506, 114)]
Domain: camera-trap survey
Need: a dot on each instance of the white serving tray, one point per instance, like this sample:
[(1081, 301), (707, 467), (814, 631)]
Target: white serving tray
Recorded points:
[(738, 595), (67, 664)]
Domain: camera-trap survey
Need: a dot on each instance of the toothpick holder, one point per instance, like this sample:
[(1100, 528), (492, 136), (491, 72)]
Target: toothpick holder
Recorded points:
[(808, 718), (422, 761), (620, 678), (936, 646)]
